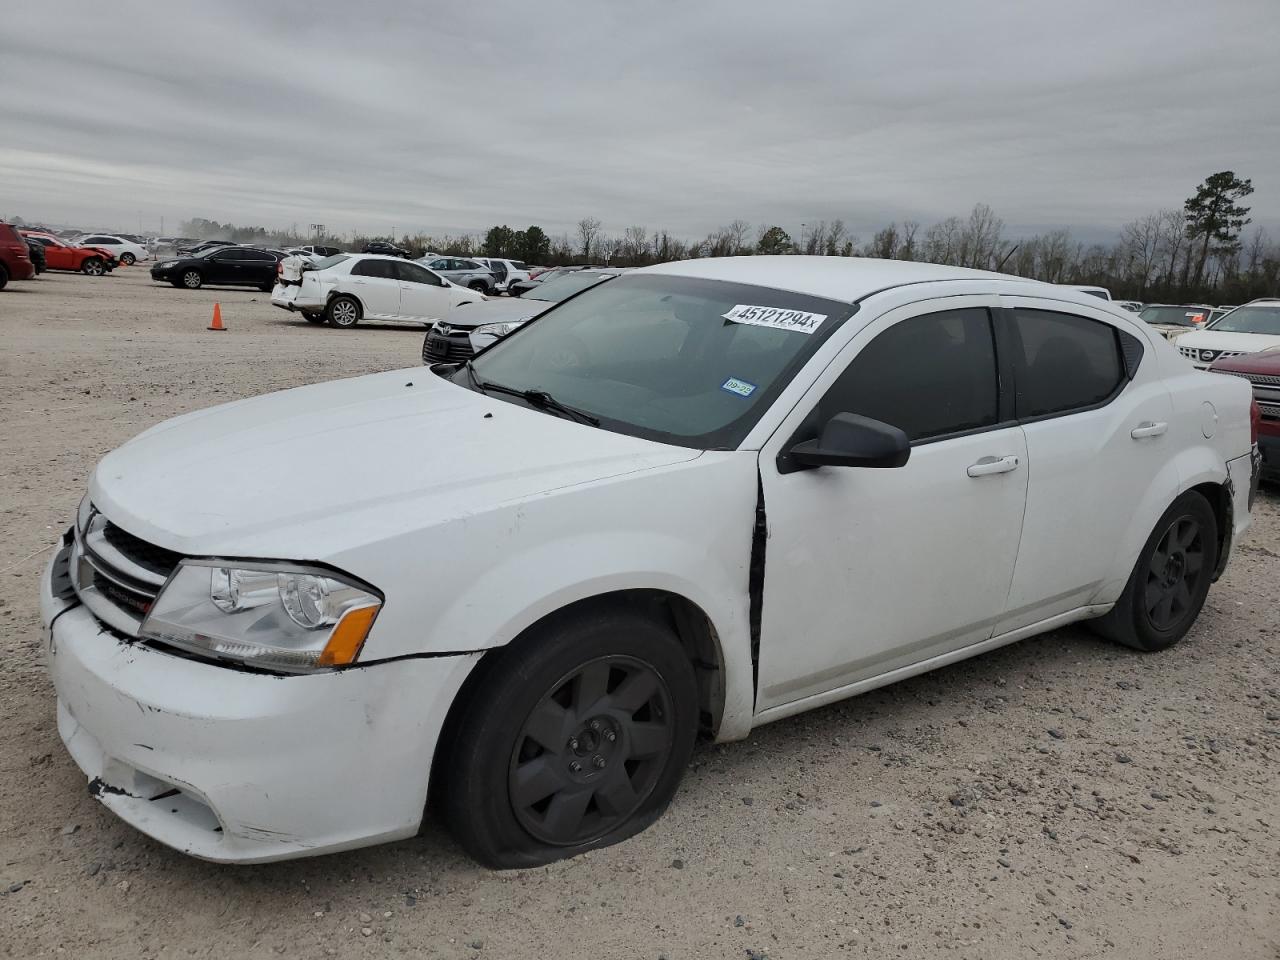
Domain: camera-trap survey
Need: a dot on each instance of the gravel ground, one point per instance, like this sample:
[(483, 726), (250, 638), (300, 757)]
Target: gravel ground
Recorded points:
[(1061, 797)]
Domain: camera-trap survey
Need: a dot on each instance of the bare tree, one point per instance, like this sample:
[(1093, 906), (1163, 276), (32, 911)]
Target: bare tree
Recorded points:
[(588, 231), (1140, 241)]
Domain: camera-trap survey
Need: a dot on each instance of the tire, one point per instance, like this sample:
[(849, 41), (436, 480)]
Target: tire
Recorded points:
[(4, 277), (1170, 581), (478, 286), (93, 267), (541, 761), (343, 312), (128, 259), (192, 279), (314, 317)]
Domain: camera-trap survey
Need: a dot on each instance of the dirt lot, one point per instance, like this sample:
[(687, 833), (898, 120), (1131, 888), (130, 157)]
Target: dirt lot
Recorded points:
[(1061, 797)]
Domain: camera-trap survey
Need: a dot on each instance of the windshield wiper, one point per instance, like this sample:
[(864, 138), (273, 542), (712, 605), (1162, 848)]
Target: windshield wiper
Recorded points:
[(535, 398)]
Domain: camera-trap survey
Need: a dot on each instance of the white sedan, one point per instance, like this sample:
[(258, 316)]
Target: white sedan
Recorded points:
[(350, 287), (125, 251), (700, 497)]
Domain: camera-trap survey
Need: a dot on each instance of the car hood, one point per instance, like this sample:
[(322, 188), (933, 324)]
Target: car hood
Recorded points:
[(309, 472), (1264, 361), (505, 309), (1216, 340)]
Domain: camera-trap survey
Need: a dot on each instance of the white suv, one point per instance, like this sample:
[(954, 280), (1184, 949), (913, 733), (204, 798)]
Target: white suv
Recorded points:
[(1246, 329), (701, 496), (507, 271)]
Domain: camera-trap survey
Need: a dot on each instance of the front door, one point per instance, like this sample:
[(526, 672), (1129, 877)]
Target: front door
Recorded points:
[(871, 570), (423, 295)]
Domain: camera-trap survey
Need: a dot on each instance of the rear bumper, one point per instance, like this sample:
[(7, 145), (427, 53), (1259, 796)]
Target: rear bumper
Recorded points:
[(20, 269), (240, 767)]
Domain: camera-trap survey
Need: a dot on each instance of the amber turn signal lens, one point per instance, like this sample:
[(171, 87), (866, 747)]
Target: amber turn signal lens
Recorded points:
[(348, 637)]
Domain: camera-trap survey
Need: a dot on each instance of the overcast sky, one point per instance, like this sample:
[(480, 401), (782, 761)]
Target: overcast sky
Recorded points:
[(677, 114)]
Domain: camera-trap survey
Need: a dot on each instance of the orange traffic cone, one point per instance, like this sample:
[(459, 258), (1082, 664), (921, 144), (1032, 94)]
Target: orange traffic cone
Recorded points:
[(217, 318)]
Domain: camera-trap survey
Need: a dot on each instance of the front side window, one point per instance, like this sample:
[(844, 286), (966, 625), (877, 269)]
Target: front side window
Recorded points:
[(412, 273), (930, 376), (1063, 362), (677, 359), (1260, 318)]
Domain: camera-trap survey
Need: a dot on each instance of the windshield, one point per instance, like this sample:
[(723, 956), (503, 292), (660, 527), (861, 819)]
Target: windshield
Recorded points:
[(676, 359), (1258, 319), (1176, 316), (565, 286)]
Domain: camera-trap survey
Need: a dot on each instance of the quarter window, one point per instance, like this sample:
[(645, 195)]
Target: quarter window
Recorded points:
[(929, 376), (1063, 362)]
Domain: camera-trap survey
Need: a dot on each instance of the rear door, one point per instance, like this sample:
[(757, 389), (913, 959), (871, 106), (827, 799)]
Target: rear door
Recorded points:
[(377, 284), (423, 295), (255, 267), (1097, 420), (222, 266)]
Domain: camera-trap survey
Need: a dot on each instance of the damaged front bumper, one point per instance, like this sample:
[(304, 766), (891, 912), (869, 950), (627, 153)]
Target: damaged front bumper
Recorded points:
[(233, 766)]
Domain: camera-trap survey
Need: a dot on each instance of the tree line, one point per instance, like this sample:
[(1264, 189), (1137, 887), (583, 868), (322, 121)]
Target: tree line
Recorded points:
[(1198, 253)]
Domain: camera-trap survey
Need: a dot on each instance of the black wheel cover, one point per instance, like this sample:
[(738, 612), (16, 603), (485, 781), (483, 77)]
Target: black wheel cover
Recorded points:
[(591, 751), (1175, 573)]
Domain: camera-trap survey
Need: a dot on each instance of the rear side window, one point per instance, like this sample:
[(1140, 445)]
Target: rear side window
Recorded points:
[(246, 254), (519, 264), (375, 268), (1063, 362), (929, 376)]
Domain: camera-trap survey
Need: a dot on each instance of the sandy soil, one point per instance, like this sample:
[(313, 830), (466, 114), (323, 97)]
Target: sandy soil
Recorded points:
[(1061, 797)]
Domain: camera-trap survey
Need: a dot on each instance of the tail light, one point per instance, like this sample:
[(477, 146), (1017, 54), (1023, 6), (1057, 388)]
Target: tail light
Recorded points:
[(1255, 420), (279, 266)]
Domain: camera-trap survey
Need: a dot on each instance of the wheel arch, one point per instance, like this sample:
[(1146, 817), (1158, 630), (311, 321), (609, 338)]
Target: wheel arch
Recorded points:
[(691, 624)]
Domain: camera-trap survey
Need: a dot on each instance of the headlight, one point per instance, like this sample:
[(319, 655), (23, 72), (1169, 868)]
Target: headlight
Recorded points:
[(268, 615), (498, 329), (166, 263)]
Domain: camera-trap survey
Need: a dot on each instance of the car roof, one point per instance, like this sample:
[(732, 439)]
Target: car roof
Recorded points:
[(835, 278)]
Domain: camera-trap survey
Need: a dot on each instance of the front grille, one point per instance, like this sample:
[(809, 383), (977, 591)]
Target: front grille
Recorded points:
[(1207, 356), (446, 349), (118, 575), (1270, 411)]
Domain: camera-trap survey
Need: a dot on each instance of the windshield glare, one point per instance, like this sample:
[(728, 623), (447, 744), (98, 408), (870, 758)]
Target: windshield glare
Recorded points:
[(655, 356), (1175, 316), (1258, 319), (565, 286)]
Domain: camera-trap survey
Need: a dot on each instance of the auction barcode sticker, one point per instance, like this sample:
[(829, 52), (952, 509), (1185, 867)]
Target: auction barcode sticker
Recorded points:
[(777, 317)]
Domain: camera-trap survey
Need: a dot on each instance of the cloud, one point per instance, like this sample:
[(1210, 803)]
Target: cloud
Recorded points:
[(670, 114)]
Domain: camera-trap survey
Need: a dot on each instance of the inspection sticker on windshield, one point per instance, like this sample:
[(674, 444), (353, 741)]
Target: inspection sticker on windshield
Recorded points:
[(777, 317), (740, 387)]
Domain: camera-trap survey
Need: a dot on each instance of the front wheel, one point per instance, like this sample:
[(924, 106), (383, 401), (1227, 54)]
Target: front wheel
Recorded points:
[(93, 267), (574, 738), (192, 280), (128, 259), (1170, 581), (343, 312)]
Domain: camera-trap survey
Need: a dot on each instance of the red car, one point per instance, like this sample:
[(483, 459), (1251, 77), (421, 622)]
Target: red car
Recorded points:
[(15, 258), (60, 255), (1262, 369)]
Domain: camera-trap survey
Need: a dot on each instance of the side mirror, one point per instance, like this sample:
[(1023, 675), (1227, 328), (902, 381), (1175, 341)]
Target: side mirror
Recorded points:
[(849, 440)]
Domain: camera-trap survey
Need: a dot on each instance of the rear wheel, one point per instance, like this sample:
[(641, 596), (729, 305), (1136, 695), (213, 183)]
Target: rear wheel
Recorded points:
[(478, 286), (575, 738), (128, 259), (343, 312), (192, 279), (1170, 581), (93, 267), (4, 277)]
